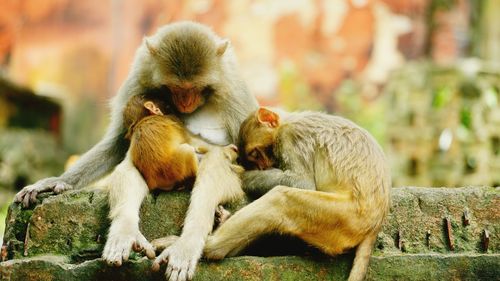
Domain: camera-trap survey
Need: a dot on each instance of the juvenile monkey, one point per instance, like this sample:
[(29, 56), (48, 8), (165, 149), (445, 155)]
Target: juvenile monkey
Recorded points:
[(160, 146), (328, 183)]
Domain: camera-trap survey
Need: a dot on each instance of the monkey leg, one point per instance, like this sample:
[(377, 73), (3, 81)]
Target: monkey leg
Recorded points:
[(325, 220), (127, 190), (216, 183)]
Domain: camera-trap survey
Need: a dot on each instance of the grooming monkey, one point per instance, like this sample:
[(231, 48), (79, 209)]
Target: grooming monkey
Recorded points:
[(324, 180), (196, 71)]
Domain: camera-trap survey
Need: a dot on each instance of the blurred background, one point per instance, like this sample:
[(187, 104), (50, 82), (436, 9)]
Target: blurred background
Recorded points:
[(423, 76)]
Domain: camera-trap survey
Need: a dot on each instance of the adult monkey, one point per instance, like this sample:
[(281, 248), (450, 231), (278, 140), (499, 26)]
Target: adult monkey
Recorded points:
[(197, 71)]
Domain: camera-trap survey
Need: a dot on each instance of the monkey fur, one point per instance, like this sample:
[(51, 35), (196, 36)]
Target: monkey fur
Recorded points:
[(323, 179), (159, 144)]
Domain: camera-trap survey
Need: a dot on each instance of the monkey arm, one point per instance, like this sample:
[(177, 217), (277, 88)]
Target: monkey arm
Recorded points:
[(96, 162), (257, 182)]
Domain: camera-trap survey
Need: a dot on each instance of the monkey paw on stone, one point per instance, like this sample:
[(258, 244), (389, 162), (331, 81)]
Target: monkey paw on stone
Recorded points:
[(117, 248), (28, 194), (221, 215), (181, 258)]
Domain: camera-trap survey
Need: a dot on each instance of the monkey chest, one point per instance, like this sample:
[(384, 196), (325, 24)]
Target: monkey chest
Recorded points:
[(208, 125)]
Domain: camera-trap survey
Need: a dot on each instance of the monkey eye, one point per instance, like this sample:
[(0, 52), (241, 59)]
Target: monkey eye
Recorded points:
[(254, 154), (208, 90)]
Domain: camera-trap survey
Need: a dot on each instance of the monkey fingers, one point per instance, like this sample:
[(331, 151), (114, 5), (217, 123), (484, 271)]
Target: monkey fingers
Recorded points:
[(117, 248), (28, 195), (60, 187), (181, 258), (142, 245)]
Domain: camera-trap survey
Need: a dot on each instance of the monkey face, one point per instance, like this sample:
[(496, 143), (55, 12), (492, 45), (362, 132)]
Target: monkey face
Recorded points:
[(256, 139), (261, 157), (256, 143), (188, 98), (188, 63)]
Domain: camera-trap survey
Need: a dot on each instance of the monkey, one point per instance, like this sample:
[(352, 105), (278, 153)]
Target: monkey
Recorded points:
[(196, 71), (161, 148), (321, 178)]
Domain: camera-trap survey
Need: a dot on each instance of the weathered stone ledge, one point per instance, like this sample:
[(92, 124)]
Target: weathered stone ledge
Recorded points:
[(414, 244), (389, 267)]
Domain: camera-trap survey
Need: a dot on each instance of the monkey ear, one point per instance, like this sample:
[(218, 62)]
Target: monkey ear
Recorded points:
[(268, 117), (150, 47), (222, 47), (153, 109)]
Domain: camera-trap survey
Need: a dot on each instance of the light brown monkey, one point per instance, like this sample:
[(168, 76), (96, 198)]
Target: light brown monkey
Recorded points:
[(328, 183), (160, 146), (195, 70)]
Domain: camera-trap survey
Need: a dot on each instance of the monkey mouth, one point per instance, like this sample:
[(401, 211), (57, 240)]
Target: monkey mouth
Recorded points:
[(186, 100), (187, 108)]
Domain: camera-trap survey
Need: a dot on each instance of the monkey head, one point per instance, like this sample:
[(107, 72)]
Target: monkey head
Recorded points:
[(187, 60), (256, 139), (140, 106)]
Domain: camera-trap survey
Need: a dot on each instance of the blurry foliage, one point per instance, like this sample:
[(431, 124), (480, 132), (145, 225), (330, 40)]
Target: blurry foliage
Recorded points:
[(295, 93), (360, 103), (83, 126), (27, 156), (444, 124)]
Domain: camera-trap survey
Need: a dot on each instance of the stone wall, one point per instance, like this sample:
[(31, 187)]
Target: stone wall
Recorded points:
[(430, 234)]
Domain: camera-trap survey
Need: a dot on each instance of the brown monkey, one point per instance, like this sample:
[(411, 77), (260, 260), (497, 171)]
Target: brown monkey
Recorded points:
[(328, 183), (159, 145)]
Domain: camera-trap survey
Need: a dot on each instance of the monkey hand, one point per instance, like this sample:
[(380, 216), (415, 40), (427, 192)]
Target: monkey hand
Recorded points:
[(118, 246), (221, 215), (181, 259), (29, 193), (162, 243)]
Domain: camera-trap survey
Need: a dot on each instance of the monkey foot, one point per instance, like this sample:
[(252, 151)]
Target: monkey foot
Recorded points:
[(29, 193), (181, 258), (118, 246)]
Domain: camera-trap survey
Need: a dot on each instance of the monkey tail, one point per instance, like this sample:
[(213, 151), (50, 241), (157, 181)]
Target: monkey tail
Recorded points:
[(362, 258)]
